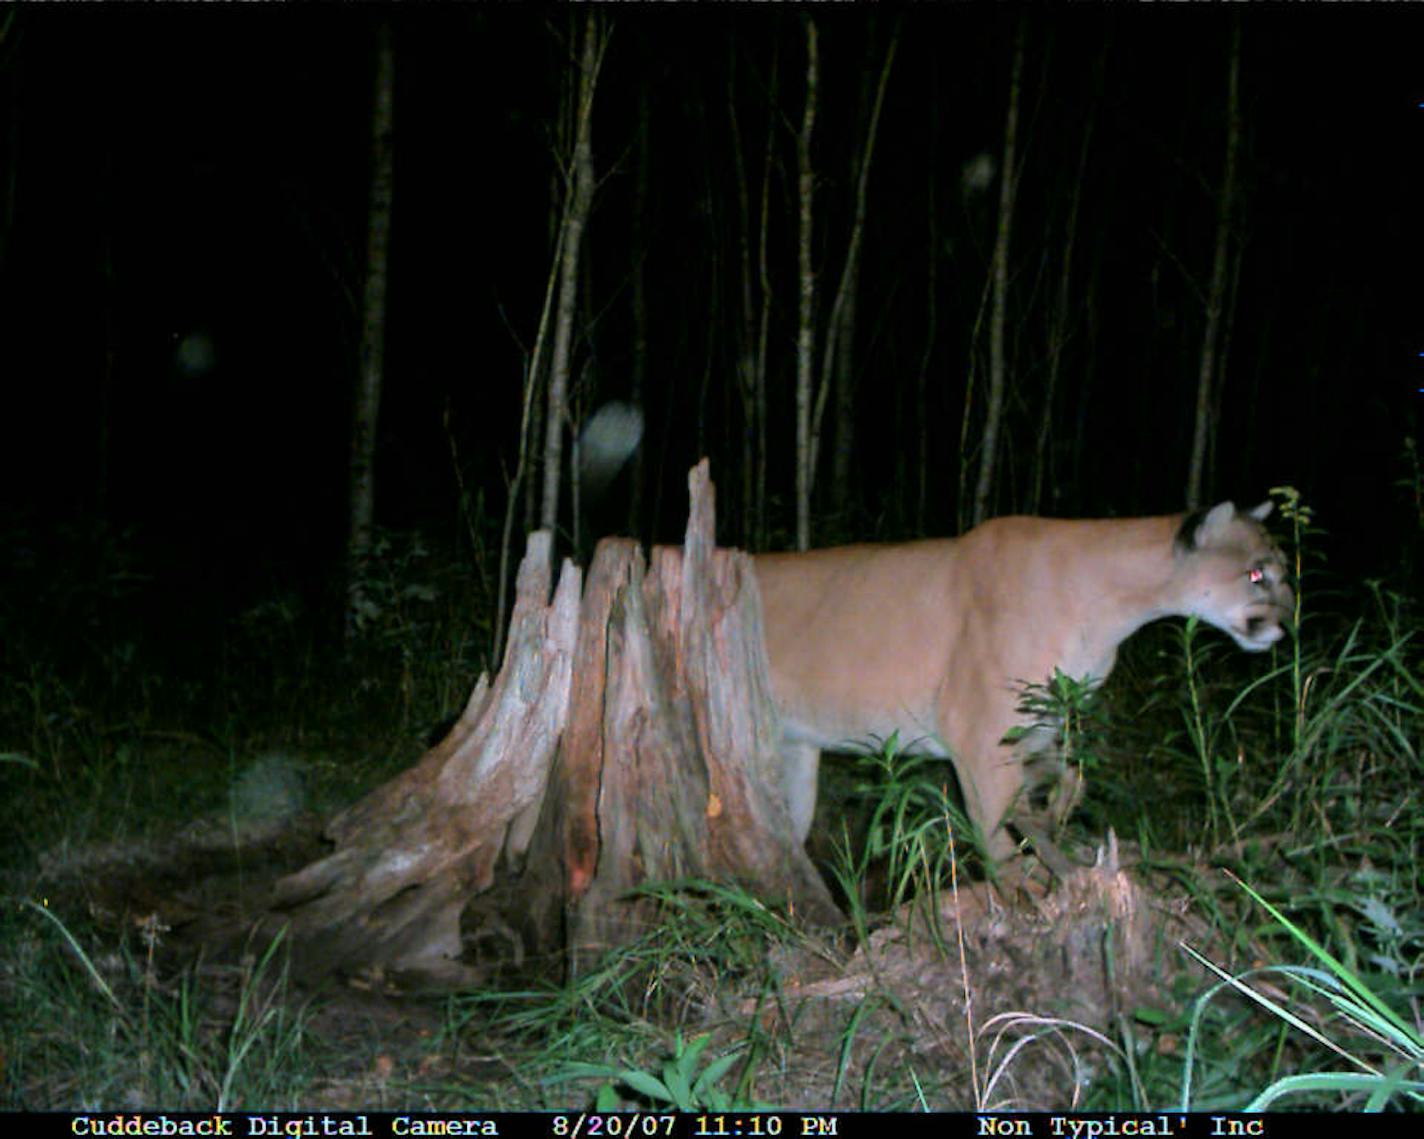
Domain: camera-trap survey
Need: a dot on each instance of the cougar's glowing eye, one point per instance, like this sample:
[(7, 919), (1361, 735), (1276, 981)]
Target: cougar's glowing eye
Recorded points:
[(1256, 574)]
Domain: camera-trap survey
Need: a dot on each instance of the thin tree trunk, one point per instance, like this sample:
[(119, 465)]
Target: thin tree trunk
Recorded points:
[(841, 373), (575, 221), (367, 402), (922, 413), (710, 365), (836, 363), (109, 320), (715, 228), (994, 409), (528, 432), (843, 440), (581, 397), (539, 379), (764, 278), (1216, 291), (523, 489), (1238, 254), (560, 203), (639, 298), (962, 503), (806, 302), (1084, 399), (1058, 322), (747, 363), (922, 458)]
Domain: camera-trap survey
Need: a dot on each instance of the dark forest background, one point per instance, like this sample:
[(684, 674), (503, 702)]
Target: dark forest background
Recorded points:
[(170, 174)]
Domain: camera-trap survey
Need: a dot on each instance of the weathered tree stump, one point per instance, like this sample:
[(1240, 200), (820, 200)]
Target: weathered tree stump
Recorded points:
[(629, 737)]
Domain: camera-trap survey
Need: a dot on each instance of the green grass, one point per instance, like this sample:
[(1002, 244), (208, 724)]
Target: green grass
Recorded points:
[(99, 1028)]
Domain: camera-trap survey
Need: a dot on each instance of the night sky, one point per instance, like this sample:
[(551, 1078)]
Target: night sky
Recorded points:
[(170, 172)]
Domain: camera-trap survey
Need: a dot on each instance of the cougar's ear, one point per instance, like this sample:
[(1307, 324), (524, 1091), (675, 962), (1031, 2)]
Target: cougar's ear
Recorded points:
[(1262, 512), (1214, 525)]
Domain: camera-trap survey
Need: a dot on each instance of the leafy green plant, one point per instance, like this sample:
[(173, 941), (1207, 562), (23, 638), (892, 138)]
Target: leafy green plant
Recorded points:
[(1301, 517), (1066, 709), (679, 1084)]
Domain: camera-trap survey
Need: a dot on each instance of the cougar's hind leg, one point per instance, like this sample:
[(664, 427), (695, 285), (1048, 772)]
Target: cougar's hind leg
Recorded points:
[(800, 767)]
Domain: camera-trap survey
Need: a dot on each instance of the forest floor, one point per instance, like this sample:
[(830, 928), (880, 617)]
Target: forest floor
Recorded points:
[(1019, 994)]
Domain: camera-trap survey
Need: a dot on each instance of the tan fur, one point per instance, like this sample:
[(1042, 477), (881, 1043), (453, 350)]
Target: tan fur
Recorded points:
[(936, 639)]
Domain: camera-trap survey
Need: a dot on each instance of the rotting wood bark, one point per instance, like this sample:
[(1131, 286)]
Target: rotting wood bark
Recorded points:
[(409, 855), (629, 738)]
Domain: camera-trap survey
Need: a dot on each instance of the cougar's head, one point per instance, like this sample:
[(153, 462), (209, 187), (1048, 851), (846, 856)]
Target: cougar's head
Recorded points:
[(1234, 575)]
